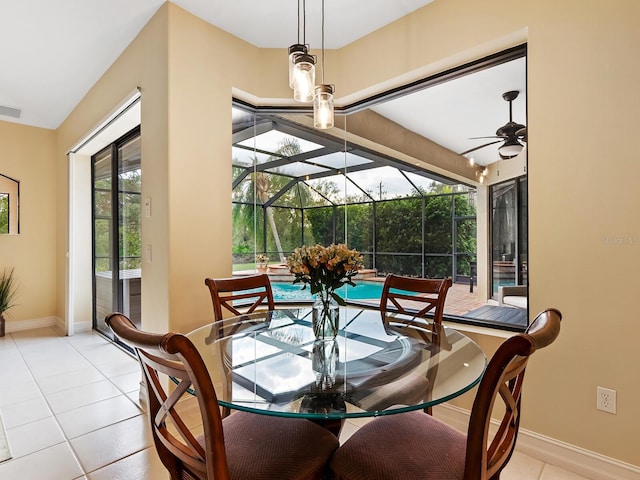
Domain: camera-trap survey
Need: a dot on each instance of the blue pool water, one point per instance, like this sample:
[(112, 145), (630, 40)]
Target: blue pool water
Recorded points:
[(362, 290)]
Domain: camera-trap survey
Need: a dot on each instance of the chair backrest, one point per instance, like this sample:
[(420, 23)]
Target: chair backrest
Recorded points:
[(487, 455), (432, 293), (248, 293), (173, 355)]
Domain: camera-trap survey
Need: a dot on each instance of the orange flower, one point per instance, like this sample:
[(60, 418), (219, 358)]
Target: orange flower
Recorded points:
[(324, 269)]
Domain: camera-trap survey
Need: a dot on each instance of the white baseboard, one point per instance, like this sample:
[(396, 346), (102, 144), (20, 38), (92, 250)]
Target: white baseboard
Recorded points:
[(46, 322), (555, 452), (81, 327), (43, 322)]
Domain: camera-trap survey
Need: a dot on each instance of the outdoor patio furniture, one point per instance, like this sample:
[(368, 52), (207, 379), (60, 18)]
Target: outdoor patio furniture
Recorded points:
[(513, 295)]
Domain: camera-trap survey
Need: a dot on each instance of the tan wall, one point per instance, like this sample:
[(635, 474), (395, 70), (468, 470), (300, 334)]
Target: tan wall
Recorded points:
[(583, 194), (184, 68), (144, 64), (200, 170), (582, 63), (583, 66), (27, 155)]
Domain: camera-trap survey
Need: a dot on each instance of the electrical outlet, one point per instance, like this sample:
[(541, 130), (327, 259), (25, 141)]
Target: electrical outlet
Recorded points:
[(606, 400)]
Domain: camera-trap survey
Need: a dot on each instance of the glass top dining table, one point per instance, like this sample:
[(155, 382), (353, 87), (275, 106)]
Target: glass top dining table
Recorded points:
[(269, 363)]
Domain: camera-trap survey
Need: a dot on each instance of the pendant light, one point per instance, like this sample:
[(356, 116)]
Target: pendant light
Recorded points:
[(295, 49), (304, 77), (323, 107), (304, 67), (323, 96)]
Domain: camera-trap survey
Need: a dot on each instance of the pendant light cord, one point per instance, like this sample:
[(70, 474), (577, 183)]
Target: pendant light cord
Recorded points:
[(322, 32), (298, 22), (304, 22)]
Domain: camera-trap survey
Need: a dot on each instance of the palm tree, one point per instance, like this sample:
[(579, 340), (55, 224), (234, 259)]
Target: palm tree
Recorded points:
[(265, 187), (263, 194), (288, 147)]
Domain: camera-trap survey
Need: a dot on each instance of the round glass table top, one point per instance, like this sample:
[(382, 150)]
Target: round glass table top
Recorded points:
[(269, 363)]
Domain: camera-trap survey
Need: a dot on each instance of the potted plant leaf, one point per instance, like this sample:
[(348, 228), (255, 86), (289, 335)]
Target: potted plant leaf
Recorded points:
[(8, 293)]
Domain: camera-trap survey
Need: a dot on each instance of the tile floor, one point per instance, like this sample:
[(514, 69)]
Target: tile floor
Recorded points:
[(70, 409)]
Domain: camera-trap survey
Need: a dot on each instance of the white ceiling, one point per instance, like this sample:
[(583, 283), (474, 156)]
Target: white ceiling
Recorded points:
[(452, 113), (52, 52)]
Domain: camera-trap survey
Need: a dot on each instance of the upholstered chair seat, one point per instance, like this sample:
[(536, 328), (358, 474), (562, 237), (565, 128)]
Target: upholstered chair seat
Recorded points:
[(413, 445), (409, 438)]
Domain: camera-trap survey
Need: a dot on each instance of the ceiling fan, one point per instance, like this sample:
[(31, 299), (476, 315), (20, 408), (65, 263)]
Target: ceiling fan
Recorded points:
[(511, 133)]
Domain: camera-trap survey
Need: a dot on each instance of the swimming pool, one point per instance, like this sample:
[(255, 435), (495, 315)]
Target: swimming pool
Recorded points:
[(283, 291)]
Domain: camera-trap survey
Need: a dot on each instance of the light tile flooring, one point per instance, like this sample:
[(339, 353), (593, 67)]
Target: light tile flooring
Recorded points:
[(70, 409)]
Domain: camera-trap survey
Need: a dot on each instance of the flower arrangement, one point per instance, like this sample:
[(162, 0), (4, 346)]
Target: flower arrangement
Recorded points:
[(262, 258), (324, 269)]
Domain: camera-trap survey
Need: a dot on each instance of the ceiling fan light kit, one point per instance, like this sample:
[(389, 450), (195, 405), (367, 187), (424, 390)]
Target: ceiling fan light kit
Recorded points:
[(510, 148)]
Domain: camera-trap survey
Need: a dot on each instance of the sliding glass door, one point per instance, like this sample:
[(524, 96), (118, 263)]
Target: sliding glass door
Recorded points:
[(117, 179), (509, 236)]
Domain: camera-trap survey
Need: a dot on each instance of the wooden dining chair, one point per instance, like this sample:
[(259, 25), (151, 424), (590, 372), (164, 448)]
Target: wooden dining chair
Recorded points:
[(242, 446), (432, 293), (418, 446), (240, 294), (398, 295), (237, 295)]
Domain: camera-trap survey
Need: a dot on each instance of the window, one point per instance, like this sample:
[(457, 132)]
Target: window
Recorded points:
[(361, 184), (4, 213), (9, 205)]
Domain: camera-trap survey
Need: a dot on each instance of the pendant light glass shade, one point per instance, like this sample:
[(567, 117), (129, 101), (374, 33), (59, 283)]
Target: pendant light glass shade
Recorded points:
[(304, 77), (323, 106), (294, 50)]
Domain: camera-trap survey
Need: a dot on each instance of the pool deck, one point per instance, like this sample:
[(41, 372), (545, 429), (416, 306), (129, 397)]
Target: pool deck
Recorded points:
[(280, 273), (459, 299)]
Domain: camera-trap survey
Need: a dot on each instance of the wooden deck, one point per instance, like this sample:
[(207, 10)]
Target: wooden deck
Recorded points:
[(503, 315)]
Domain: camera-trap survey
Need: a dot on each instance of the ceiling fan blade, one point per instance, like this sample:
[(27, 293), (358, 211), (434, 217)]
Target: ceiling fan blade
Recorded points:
[(481, 146), (491, 136)]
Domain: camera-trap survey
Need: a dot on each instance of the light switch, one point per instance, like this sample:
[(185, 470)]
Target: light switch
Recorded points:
[(148, 253), (147, 207)]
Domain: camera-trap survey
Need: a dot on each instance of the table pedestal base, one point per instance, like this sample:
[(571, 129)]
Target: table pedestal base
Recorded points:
[(333, 425)]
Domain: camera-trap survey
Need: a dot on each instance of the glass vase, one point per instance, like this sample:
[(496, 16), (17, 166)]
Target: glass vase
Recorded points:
[(324, 363), (325, 317), (324, 397)]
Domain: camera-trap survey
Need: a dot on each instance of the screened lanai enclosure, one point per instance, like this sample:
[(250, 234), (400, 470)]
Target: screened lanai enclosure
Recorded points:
[(408, 204), (292, 187)]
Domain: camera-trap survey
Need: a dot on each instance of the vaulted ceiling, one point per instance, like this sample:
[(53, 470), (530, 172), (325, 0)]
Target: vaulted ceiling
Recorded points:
[(53, 53)]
